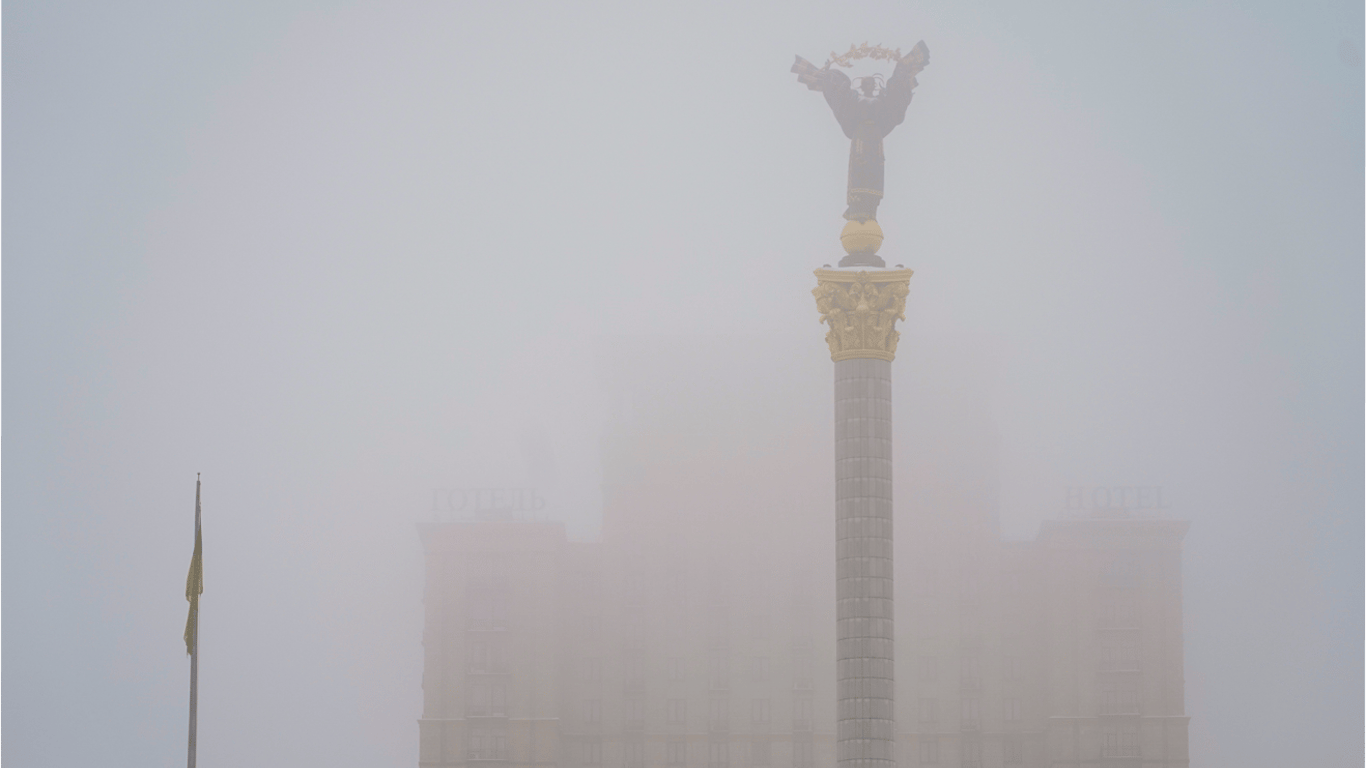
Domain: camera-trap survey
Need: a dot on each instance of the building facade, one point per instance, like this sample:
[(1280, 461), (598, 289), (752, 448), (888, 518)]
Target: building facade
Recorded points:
[(669, 650), (699, 629)]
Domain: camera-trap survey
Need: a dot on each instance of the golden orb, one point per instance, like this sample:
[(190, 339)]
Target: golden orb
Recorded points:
[(861, 237)]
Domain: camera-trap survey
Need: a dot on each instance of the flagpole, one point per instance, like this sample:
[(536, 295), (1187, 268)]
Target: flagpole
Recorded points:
[(194, 691), (193, 588)]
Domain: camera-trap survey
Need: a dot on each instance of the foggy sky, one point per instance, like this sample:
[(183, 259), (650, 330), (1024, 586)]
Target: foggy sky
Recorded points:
[(335, 256)]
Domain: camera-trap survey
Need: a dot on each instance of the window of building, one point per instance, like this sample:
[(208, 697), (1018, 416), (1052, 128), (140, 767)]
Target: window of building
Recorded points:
[(760, 713), (758, 669), (719, 582), (970, 672), (635, 754), (478, 571), (592, 629), (928, 623), (718, 754), (757, 579), (1013, 616), (929, 711), (1118, 613), (634, 677), (718, 714), (803, 754), (486, 656), (970, 586), (802, 714), (1121, 571), (760, 753), (487, 572), (592, 670), (634, 589), (677, 669), (718, 671), (486, 699), (970, 627), (488, 744), (676, 711), (925, 581), (1119, 697), (1010, 668), (592, 711), (1120, 741), (929, 669), (803, 587), (592, 752), (718, 591), (929, 750), (1012, 710), (590, 586), (635, 636), (971, 713), (759, 623), (1109, 697), (972, 753), (1012, 583), (676, 752), (635, 714), (718, 627), (675, 583), (1119, 652), (1013, 746), (801, 672), (486, 611), (500, 611)]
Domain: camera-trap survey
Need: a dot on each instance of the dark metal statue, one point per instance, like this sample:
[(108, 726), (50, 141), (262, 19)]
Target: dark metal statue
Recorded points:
[(867, 115)]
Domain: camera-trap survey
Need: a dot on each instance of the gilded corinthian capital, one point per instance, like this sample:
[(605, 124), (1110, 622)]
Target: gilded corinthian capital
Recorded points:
[(861, 309)]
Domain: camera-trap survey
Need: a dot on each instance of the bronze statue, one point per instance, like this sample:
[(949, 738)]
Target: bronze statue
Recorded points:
[(867, 115)]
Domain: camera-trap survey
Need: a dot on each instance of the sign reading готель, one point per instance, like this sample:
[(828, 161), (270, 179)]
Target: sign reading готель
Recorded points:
[(518, 504), (1115, 500)]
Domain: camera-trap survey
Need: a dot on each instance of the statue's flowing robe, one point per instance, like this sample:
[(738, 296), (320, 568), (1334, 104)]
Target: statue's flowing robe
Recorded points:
[(866, 121)]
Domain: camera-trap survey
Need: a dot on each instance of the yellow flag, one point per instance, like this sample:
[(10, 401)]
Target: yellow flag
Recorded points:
[(194, 582)]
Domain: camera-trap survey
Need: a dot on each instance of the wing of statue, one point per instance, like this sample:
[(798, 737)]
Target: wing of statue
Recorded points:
[(809, 74), (917, 59)]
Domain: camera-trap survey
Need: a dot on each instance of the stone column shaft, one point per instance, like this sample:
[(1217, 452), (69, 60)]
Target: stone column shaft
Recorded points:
[(866, 724)]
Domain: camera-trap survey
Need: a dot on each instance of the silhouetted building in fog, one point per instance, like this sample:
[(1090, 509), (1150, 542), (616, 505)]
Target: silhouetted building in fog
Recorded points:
[(540, 651), (700, 632)]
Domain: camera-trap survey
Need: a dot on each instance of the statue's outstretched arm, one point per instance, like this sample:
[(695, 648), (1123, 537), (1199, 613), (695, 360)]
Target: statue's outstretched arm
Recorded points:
[(821, 78), (840, 95), (809, 74), (901, 86), (903, 77), (835, 85), (916, 60)]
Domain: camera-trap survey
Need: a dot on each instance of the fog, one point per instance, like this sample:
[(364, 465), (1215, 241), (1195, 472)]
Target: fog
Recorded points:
[(337, 256)]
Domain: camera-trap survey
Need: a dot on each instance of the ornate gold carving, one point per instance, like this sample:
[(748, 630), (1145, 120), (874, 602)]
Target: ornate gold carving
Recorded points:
[(861, 309), (864, 51), (917, 58)]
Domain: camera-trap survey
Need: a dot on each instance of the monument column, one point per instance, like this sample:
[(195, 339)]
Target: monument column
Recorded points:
[(861, 300), (861, 307)]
